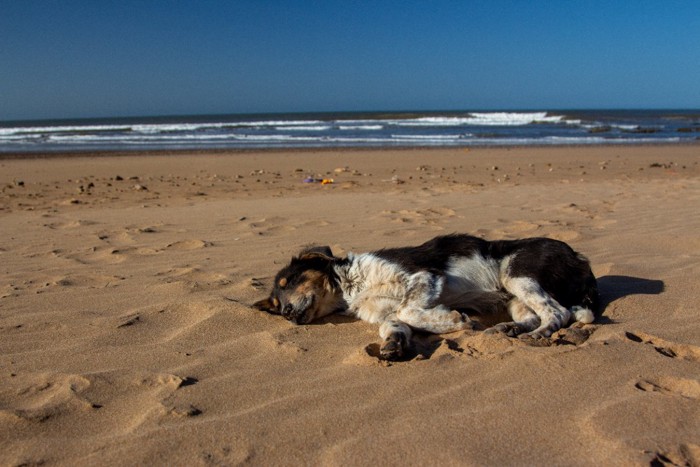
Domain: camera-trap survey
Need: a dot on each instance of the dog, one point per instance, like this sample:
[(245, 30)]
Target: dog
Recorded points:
[(542, 283)]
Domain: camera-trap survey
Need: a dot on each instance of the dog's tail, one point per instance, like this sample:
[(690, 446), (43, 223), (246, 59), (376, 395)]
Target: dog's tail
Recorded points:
[(589, 308)]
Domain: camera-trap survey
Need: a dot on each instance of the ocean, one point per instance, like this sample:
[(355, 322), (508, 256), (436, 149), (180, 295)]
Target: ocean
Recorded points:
[(353, 130)]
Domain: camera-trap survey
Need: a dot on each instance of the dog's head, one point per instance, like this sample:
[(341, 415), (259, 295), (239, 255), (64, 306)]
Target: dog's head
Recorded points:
[(306, 289)]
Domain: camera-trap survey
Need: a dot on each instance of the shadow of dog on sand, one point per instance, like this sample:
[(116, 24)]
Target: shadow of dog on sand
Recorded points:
[(612, 288)]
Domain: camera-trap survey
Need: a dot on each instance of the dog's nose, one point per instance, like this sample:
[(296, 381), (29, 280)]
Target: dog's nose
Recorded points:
[(299, 318), (293, 315)]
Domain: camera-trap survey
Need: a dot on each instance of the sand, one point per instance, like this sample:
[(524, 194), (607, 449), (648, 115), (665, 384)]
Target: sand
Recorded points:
[(126, 335)]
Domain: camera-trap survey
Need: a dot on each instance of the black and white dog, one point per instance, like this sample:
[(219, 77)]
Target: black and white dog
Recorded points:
[(541, 282)]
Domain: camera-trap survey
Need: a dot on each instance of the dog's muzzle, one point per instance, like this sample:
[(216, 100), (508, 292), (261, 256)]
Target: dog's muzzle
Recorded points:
[(297, 315)]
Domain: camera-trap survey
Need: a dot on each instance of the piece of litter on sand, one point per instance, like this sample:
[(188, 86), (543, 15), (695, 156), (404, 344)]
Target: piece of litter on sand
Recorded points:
[(396, 180), (322, 181)]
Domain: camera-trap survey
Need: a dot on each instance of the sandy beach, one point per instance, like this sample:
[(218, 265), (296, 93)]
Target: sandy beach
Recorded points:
[(127, 336)]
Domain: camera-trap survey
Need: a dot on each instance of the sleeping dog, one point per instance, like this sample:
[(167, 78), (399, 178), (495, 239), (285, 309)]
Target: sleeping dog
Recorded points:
[(542, 283)]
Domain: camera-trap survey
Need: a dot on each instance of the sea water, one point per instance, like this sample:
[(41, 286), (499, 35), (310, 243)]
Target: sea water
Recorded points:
[(335, 130)]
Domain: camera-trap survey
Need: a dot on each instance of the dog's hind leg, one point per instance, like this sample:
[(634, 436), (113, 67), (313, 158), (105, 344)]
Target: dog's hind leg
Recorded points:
[(396, 339), (524, 320), (551, 314), (582, 314)]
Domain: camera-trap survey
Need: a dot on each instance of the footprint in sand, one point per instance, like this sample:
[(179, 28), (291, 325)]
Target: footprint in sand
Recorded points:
[(42, 397), (192, 277), (271, 225), (591, 211), (430, 216), (116, 239), (688, 388), (93, 282), (128, 236), (40, 284), (666, 348), (556, 229), (106, 254), (113, 248), (410, 220), (522, 227), (315, 223), (684, 455), (126, 398), (287, 341), (188, 245), (69, 224), (247, 285), (165, 381), (96, 255), (162, 324)]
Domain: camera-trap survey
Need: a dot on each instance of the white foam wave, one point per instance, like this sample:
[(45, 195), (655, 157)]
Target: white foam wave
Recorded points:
[(264, 123), (430, 121), (154, 128), (429, 137), (175, 127), (626, 127), (484, 119), (61, 129), (137, 138), (513, 118), (360, 127), (273, 138), (304, 128)]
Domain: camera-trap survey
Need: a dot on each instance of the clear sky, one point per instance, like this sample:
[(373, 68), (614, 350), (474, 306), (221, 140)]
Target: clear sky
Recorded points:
[(100, 58)]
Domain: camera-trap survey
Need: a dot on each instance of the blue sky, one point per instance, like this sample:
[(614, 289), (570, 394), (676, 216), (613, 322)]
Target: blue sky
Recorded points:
[(71, 59)]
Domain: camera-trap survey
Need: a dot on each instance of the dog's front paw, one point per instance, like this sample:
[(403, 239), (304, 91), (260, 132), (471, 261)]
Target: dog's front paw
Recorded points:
[(392, 350)]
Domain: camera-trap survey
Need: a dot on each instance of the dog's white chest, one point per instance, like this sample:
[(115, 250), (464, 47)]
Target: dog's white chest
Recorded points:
[(372, 287)]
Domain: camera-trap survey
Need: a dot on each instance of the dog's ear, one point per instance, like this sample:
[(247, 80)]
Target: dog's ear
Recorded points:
[(268, 304), (317, 252)]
